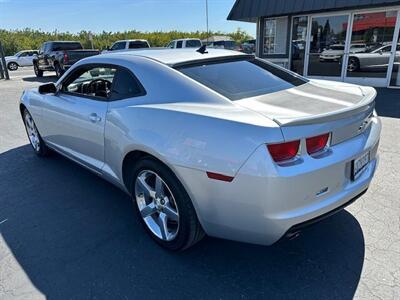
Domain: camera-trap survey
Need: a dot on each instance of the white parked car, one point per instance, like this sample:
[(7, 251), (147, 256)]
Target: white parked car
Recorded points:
[(215, 142), (124, 45), (184, 43), (335, 52), (20, 59)]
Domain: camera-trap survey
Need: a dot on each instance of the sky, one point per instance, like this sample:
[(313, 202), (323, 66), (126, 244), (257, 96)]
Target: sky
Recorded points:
[(119, 15)]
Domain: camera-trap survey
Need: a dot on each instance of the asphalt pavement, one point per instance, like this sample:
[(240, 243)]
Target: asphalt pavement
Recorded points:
[(67, 234)]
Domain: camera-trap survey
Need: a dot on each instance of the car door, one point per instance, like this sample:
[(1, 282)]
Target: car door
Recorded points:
[(74, 118), (381, 57), (29, 58), (23, 59)]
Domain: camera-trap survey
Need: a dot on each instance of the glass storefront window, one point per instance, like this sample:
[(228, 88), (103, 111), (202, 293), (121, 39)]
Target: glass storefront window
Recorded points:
[(299, 36), (327, 44), (395, 78), (275, 36), (371, 44)]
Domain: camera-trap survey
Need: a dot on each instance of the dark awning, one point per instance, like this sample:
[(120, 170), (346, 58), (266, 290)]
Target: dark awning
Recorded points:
[(250, 10)]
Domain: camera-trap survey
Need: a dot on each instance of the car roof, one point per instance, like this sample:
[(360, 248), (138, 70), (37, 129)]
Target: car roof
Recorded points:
[(176, 56), (132, 40), (62, 42), (186, 39)]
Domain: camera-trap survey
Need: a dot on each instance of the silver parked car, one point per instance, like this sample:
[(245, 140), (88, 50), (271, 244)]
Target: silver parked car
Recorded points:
[(215, 142), (21, 59), (372, 59)]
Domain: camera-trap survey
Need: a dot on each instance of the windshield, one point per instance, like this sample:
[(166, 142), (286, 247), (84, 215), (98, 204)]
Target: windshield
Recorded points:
[(244, 78)]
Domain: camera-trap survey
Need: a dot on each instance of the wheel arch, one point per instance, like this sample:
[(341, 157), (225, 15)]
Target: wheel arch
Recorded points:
[(134, 156), (13, 61), (22, 108)]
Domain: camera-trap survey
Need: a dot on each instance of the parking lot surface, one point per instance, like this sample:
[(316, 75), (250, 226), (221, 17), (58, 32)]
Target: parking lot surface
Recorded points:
[(67, 234)]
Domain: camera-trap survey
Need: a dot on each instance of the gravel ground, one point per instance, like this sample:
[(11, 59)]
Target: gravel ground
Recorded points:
[(67, 234)]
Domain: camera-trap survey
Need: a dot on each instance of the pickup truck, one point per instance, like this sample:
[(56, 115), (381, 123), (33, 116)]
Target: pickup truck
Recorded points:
[(123, 45), (184, 43), (58, 56)]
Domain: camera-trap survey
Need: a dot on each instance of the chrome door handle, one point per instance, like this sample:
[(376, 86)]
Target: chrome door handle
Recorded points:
[(94, 118)]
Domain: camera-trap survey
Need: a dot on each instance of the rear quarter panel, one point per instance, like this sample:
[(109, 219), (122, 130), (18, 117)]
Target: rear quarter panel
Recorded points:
[(185, 139)]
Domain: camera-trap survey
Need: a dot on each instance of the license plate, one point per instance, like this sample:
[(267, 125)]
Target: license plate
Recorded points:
[(359, 165)]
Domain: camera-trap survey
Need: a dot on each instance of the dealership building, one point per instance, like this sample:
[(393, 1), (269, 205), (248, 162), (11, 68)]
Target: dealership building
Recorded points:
[(354, 41)]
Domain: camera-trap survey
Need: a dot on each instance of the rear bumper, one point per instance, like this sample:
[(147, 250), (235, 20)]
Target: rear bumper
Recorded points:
[(265, 201), (298, 227)]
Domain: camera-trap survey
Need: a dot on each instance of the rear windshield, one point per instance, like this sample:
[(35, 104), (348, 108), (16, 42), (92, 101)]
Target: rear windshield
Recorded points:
[(193, 43), (66, 46), (138, 44), (240, 79)]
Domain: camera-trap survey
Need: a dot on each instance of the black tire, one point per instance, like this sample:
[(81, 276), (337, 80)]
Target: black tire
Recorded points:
[(41, 150), (353, 64), (12, 66), (59, 70), (38, 72), (190, 231)]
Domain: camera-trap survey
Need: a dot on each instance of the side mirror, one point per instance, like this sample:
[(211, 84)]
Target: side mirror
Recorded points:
[(108, 48), (380, 52), (48, 88)]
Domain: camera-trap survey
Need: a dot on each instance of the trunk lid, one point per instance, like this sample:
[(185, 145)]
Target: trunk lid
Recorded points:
[(340, 108)]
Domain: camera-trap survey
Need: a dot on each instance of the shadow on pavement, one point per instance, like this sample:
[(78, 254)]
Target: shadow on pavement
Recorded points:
[(388, 102), (44, 79), (75, 236)]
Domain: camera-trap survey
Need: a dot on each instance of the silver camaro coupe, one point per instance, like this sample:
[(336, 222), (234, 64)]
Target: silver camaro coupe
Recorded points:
[(210, 142)]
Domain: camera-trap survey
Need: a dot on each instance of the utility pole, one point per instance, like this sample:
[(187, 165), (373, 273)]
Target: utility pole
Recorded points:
[(208, 32), (3, 60), (1, 71), (90, 35)]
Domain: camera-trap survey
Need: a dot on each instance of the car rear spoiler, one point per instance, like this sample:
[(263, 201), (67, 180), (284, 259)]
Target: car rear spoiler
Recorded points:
[(367, 104), (201, 61)]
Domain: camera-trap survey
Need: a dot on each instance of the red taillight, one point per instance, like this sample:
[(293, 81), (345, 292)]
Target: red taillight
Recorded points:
[(284, 151), (65, 58), (317, 143)]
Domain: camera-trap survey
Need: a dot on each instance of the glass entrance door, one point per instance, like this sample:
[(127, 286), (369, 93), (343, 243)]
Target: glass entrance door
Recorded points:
[(370, 48), (326, 46), (395, 75), (299, 37)]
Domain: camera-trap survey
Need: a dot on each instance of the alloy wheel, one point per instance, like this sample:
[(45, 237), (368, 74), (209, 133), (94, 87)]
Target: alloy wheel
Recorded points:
[(32, 131), (353, 65), (157, 205), (12, 66)]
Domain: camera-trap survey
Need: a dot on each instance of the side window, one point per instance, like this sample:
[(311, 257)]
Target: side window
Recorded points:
[(386, 49), (24, 54), (118, 46), (179, 44), (93, 81), (193, 43), (126, 86)]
